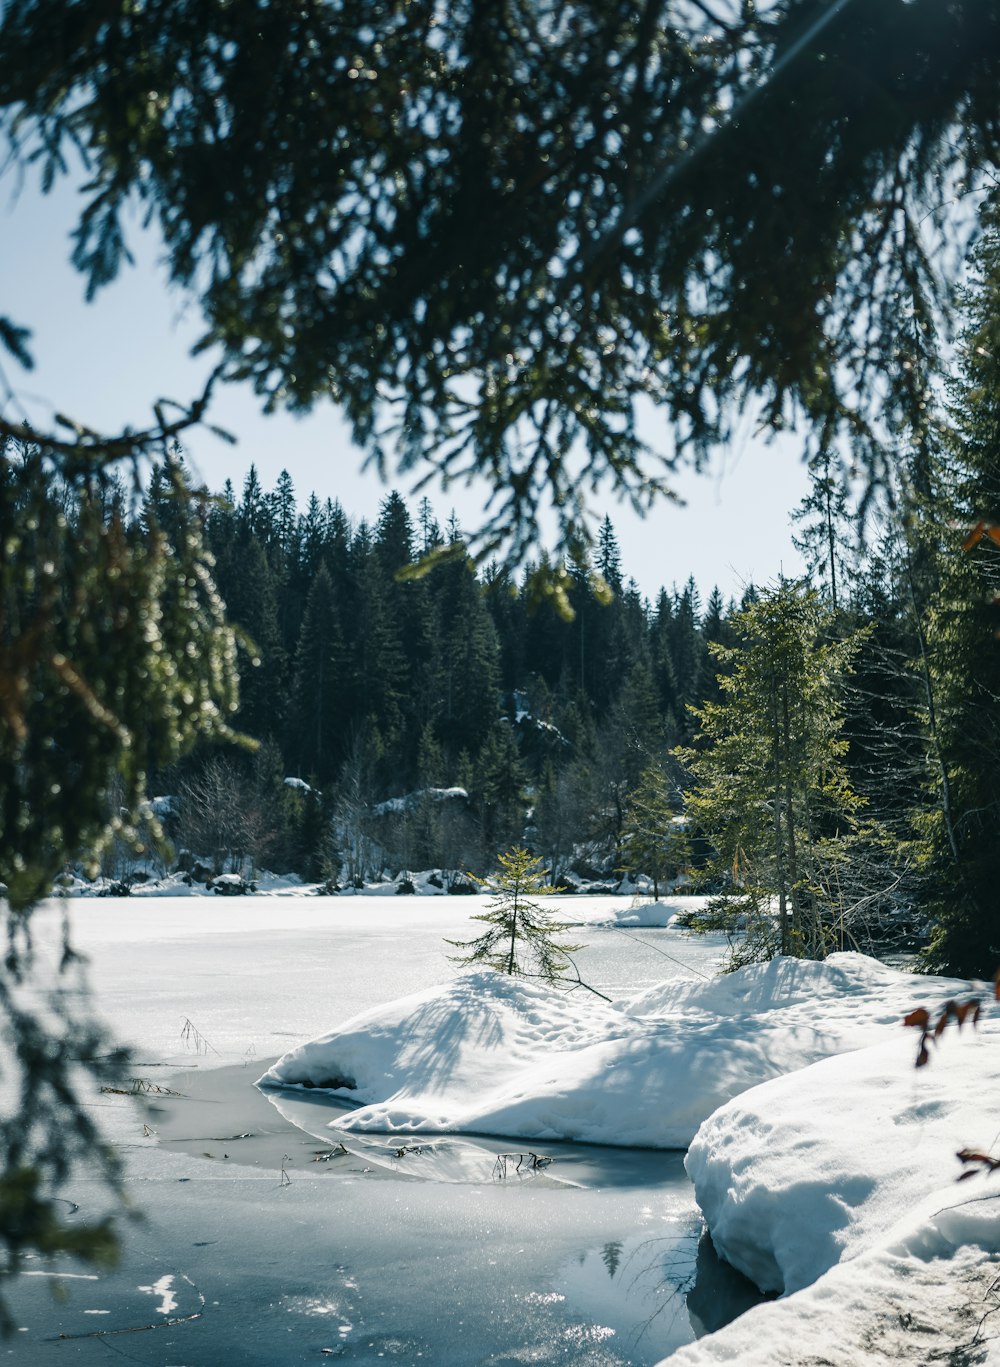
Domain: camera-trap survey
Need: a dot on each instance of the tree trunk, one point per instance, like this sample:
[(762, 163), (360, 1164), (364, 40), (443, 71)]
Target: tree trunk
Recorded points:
[(793, 858)]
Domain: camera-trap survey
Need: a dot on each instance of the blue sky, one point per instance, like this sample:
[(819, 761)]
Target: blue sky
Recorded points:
[(105, 363)]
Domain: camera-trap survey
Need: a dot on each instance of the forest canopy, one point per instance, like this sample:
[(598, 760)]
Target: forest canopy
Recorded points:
[(494, 234)]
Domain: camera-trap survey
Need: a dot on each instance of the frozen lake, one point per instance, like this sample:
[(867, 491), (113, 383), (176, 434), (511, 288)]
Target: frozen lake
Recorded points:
[(256, 1246)]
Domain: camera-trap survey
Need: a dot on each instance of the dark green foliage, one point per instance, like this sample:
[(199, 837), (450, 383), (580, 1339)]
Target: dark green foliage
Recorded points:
[(959, 663), (769, 785), (403, 676), (521, 939), (563, 212), (114, 659), (247, 585), (654, 841), (314, 743), (498, 789)]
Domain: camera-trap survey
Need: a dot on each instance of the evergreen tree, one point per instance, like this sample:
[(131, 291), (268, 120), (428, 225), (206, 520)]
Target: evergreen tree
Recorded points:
[(315, 728), (430, 532), (252, 513), (715, 630), (115, 660), (284, 519), (429, 820), (521, 936), (549, 644), (313, 827), (662, 665), (960, 663), (499, 788), (769, 785), (247, 584), (609, 560), (652, 841), (377, 666), (336, 538), (351, 833), (311, 540), (827, 541), (393, 535), (682, 646), (469, 661)]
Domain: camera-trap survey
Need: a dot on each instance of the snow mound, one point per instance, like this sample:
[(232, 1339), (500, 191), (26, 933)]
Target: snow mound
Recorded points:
[(664, 912), (454, 1058), (489, 1054), (922, 1294), (808, 1170), (843, 988)]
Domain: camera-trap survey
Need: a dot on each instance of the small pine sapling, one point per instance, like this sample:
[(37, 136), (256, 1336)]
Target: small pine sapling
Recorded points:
[(520, 935)]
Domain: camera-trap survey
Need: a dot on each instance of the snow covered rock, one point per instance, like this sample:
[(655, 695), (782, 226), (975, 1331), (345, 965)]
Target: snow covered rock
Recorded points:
[(232, 885), (809, 1169)]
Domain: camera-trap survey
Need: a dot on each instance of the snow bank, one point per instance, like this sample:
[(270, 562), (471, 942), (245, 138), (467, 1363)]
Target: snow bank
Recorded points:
[(490, 1054), (836, 1186), (664, 912), (924, 1293), (810, 1169)]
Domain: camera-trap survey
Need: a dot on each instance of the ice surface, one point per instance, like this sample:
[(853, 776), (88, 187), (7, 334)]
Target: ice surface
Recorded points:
[(359, 1267), (824, 1159)]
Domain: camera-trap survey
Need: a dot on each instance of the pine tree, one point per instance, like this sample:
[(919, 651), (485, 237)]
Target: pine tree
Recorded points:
[(652, 841), (428, 817), (247, 585), (311, 538), (770, 789), (393, 534), (314, 732), (626, 741), (252, 511), (609, 560), (469, 661), (430, 532), (826, 541), (284, 518), (499, 788), (960, 659), (685, 649), (115, 660), (376, 665), (521, 936)]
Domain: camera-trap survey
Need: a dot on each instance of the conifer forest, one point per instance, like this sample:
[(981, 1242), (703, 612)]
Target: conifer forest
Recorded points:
[(827, 746)]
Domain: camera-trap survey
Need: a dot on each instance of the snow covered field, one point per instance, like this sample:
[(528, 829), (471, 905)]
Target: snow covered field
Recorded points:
[(823, 1160)]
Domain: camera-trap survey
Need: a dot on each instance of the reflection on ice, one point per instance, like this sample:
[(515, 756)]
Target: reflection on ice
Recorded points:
[(472, 1158), (655, 1292), (642, 1296), (443, 1158)]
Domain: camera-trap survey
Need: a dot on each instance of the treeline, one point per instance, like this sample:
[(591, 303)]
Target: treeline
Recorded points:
[(430, 720)]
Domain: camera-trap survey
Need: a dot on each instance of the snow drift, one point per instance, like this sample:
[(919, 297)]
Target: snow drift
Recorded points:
[(489, 1054)]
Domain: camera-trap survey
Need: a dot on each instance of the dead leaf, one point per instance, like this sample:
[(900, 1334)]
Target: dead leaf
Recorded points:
[(921, 1017)]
